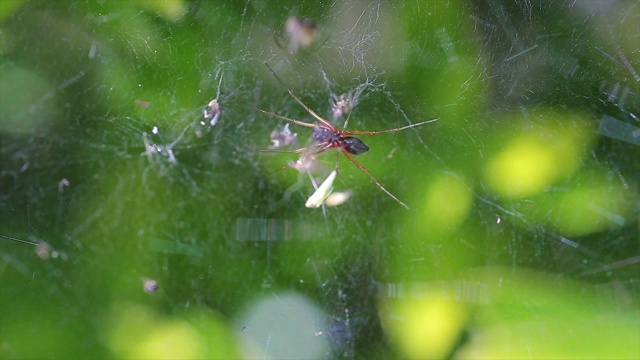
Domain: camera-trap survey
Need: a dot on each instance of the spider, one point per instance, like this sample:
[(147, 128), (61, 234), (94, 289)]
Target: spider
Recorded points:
[(327, 136)]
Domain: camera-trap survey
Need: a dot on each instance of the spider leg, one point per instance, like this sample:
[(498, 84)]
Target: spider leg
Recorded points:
[(359, 132), (322, 147), (297, 122), (346, 122), (19, 240), (219, 84), (278, 170), (300, 150), (313, 113), (356, 163)]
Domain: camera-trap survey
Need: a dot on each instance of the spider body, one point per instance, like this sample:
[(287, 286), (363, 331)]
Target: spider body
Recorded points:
[(334, 138), (354, 146)]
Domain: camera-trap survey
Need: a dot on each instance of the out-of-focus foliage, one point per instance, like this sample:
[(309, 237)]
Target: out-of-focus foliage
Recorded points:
[(161, 234)]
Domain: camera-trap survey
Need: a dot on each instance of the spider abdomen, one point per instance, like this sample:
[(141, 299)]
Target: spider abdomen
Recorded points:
[(354, 145)]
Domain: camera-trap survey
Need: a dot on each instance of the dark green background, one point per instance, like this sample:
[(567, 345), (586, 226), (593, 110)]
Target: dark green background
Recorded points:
[(549, 273)]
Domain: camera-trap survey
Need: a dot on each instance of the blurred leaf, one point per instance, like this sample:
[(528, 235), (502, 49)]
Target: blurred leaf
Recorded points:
[(7, 7)]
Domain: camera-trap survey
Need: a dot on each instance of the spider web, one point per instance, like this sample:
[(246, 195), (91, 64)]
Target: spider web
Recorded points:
[(130, 163)]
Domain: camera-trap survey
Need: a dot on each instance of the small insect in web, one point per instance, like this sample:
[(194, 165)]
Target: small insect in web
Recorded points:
[(325, 136), (283, 137), (301, 32), (210, 112), (322, 192), (343, 104)]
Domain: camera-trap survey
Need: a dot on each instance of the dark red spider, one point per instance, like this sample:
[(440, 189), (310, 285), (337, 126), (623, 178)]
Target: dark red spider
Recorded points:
[(327, 136)]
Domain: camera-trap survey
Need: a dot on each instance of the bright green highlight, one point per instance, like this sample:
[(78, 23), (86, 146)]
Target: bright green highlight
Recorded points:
[(543, 153)]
